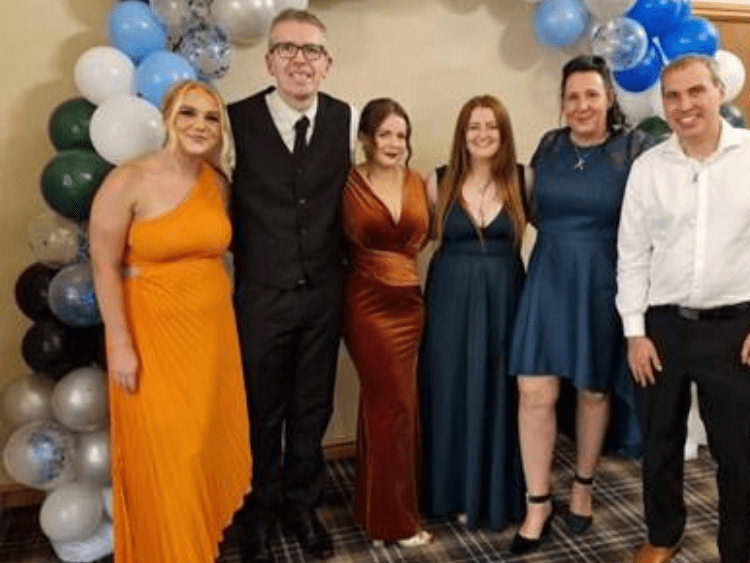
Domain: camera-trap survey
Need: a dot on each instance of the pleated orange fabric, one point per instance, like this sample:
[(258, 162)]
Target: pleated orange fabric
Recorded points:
[(383, 322), (180, 448)]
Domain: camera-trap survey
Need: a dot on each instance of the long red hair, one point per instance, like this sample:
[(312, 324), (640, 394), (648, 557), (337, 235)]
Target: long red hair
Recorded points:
[(503, 169)]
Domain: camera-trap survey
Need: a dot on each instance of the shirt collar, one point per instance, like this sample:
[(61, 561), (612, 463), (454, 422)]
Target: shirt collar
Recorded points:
[(729, 137), (287, 113)]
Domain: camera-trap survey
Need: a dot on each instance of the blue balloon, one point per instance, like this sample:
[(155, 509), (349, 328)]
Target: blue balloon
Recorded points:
[(642, 76), (71, 296), (657, 16), (684, 9), (559, 23), (692, 36), (133, 29), (155, 75)]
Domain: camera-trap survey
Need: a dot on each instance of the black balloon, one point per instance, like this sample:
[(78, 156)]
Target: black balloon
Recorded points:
[(53, 348), (31, 290)]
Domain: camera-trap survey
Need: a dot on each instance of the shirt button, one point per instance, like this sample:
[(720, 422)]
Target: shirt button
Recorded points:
[(302, 201)]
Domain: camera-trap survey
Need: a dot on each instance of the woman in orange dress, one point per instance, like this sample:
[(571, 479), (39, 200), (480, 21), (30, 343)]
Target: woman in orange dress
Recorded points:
[(386, 220), (179, 431)]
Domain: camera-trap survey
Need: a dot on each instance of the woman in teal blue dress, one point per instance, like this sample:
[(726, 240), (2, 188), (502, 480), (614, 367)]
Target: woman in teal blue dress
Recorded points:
[(468, 403), (567, 326)]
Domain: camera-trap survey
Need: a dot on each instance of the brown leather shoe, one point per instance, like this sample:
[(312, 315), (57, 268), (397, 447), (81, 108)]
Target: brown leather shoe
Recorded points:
[(648, 553)]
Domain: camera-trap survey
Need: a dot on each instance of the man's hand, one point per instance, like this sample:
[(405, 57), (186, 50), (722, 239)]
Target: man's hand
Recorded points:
[(745, 352), (644, 361)]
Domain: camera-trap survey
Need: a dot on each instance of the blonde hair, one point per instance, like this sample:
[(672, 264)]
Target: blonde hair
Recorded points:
[(223, 158)]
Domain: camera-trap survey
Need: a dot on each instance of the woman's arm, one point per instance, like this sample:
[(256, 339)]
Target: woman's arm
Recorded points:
[(111, 215)]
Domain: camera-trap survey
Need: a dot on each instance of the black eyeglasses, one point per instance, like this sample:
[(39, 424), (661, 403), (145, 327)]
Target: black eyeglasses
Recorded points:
[(310, 51)]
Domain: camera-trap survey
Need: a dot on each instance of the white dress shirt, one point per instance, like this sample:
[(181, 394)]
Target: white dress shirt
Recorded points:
[(284, 117), (684, 235)]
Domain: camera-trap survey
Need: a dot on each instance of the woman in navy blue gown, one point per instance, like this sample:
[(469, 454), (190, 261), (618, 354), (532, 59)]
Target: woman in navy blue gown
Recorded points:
[(567, 326), (471, 464)]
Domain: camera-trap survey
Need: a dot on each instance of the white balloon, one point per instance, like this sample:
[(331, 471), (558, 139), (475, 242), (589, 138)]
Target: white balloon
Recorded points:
[(79, 400), (26, 398), (102, 72), (71, 512), (637, 106), (90, 549), (107, 500), (124, 127), (604, 10), (732, 74), (92, 461), (281, 5), (244, 21)]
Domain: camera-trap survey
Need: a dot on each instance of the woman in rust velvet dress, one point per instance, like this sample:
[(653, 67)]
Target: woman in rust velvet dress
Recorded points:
[(386, 219)]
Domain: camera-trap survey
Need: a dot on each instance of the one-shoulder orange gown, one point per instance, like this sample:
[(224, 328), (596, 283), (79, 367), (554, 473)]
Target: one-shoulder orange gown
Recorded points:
[(180, 448), (383, 322)]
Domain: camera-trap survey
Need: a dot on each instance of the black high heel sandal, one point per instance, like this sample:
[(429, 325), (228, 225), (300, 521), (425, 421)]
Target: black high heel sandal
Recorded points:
[(521, 544), (579, 523)]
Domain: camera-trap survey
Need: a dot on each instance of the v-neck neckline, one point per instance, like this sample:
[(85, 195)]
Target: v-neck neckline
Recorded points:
[(395, 221)]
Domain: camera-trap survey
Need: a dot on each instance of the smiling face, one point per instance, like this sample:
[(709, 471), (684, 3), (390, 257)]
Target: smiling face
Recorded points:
[(691, 101), (196, 123), (585, 103), (482, 134), (387, 147), (297, 78)]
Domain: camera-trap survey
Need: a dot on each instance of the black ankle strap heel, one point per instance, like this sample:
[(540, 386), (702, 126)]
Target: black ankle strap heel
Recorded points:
[(579, 523)]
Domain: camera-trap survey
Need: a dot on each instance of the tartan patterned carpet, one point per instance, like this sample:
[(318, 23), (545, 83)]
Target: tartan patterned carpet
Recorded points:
[(618, 524)]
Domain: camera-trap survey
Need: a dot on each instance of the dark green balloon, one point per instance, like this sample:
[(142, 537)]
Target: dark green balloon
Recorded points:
[(70, 180), (69, 125), (733, 115), (655, 127)]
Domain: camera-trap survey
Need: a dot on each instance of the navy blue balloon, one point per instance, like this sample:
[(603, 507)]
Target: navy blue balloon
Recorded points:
[(642, 76), (657, 16), (558, 23), (133, 29), (71, 296), (684, 10), (692, 36)]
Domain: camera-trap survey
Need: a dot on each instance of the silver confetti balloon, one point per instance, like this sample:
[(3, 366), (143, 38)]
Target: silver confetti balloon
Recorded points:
[(79, 400), (26, 398), (71, 512), (41, 455), (207, 49), (92, 460)]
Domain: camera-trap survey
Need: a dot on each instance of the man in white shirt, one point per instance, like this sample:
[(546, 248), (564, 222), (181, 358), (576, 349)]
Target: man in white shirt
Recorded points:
[(293, 154), (684, 297)]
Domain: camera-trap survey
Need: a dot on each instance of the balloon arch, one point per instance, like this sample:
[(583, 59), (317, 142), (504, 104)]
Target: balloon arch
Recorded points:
[(59, 412), (637, 38)]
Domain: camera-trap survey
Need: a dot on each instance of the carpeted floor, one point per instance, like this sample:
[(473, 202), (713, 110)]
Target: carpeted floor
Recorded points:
[(618, 525)]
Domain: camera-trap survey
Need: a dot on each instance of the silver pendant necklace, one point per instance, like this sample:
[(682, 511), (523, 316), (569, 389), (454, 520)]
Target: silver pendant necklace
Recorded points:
[(581, 162)]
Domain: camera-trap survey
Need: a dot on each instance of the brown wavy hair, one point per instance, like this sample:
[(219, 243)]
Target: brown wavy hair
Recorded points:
[(373, 115), (503, 168)]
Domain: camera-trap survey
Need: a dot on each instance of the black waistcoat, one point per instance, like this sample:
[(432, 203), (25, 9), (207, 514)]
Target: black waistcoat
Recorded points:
[(286, 215)]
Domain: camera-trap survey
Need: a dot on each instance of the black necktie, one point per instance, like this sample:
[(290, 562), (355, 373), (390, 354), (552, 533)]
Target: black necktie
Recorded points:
[(300, 135)]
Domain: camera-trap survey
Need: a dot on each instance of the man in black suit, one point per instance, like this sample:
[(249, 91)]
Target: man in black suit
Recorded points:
[(293, 154)]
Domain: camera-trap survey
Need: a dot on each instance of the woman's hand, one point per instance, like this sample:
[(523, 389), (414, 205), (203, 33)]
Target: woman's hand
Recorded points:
[(122, 364)]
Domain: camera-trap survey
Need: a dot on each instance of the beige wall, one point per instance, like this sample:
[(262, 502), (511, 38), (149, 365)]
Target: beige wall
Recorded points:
[(431, 55)]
